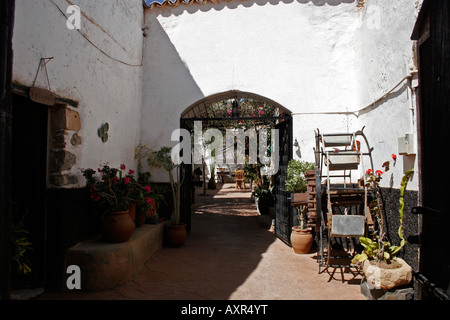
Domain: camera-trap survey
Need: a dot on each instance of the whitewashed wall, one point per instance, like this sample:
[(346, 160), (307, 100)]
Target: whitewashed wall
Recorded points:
[(385, 57), (297, 53), (107, 90), (319, 59), (322, 60)]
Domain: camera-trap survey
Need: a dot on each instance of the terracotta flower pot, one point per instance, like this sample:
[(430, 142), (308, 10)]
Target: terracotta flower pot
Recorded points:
[(117, 227), (132, 211), (176, 235), (301, 240), (386, 278)]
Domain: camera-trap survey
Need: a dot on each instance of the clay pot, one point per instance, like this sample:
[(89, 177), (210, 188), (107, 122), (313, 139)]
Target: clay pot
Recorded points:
[(176, 235), (116, 227), (301, 240), (385, 278), (132, 211)]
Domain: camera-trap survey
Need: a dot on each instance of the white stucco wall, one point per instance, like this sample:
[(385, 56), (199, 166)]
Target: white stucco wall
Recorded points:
[(319, 59), (385, 57), (297, 53), (107, 90)]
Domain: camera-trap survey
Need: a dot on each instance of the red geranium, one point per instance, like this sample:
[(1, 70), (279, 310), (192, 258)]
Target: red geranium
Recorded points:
[(111, 187)]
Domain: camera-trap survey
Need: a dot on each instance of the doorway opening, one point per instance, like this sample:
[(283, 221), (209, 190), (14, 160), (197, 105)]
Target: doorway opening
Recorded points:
[(30, 132), (248, 118)]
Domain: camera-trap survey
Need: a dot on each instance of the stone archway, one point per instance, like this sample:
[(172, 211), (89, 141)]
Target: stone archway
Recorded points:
[(237, 108)]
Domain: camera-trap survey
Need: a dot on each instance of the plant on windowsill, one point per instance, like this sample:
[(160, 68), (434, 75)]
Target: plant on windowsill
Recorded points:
[(115, 192), (175, 230), (296, 183), (381, 266)]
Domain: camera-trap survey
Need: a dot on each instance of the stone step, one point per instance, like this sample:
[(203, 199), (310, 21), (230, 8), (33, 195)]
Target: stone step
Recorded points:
[(106, 266)]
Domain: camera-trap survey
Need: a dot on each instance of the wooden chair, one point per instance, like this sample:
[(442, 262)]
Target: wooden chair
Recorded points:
[(222, 174), (240, 179)]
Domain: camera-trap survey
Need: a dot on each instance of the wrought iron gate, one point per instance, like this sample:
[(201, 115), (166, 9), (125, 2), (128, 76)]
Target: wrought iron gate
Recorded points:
[(204, 112), (284, 211)]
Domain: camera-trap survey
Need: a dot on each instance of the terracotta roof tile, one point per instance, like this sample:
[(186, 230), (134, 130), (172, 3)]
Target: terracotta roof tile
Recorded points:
[(164, 3)]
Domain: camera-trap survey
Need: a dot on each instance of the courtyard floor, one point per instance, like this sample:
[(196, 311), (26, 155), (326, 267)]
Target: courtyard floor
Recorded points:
[(229, 255)]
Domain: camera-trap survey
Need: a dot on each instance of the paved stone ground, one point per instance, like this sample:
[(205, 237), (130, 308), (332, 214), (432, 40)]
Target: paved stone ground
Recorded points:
[(229, 255)]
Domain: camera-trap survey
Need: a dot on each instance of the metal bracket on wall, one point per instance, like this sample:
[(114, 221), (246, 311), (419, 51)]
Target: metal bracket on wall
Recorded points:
[(431, 213)]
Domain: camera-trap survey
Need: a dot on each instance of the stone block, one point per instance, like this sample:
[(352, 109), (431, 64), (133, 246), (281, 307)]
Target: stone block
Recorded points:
[(66, 119), (76, 140), (372, 293), (62, 180), (73, 121), (106, 266), (62, 161)]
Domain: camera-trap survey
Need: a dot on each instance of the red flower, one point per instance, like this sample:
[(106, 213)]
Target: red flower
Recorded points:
[(127, 180), (131, 172), (148, 189), (123, 167), (394, 156), (369, 171), (379, 173)]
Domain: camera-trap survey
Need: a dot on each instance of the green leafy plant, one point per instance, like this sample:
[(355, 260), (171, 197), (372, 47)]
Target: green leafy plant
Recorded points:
[(267, 196), (253, 172), (20, 246), (147, 199), (163, 159), (111, 187), (377, 249), (295, 180)]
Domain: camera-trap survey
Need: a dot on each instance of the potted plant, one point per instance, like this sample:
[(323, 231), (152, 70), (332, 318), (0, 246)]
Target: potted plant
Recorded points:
[(20, 245), (264, 199), (296, 184), (113, 190), (175, 230), (381, 266), (148, 201)]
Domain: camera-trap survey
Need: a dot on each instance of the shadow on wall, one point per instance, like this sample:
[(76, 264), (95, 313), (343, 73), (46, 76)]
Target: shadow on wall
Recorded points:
[(160, 84), (178, 7)]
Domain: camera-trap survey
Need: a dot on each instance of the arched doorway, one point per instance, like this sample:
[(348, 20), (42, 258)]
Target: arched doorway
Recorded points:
[(241, 110)]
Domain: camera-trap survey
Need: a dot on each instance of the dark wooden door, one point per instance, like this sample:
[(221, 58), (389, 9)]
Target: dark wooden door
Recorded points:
[(434, 117), (284, 211)]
